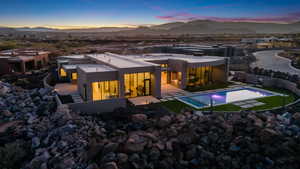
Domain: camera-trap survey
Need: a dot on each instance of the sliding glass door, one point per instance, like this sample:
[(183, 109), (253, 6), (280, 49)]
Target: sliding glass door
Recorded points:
[(105, 90), (199, 76), (137, 84)]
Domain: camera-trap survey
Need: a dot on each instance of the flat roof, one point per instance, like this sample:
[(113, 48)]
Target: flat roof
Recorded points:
[(183, 57), (25, 58), (69, 67), (62, 61), (120, 61), (5, 53), (5, 57), (22, 52), (93, 68), (73, 57)]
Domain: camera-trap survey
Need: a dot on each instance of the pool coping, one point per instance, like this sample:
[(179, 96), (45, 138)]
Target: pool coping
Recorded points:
[(218, 90)]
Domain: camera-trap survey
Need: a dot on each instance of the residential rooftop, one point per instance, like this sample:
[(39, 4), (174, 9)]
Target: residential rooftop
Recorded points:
[(62, 61), (27, 52), (167, 56), (70, 67), (73, 57), (119, 61), (93, 68)]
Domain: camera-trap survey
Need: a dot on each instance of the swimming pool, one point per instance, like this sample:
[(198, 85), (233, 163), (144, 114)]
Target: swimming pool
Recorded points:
[(225, 96)]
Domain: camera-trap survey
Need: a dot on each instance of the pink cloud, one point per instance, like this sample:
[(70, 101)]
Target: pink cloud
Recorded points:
[(218, 6), (185, 16)]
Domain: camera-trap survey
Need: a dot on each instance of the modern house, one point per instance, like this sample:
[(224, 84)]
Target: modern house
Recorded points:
[(104, 77), (271, 42), (22, 60)]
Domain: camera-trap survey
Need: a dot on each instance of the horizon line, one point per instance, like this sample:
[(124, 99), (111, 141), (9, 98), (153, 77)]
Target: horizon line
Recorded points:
[(62, 27)]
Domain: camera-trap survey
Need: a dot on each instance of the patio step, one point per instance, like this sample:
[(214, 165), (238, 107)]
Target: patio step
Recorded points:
[(76, 98)]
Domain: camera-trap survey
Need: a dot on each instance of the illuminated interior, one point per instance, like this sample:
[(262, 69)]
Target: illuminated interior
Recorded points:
[(164, 65), (199, 76), (63, 73), (105, 90), (74, 76), (176, 78), (164, 77), (137, 84)]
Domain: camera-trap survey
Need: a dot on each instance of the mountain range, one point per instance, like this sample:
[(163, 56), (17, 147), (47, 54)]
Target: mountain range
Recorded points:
[(192, 27)]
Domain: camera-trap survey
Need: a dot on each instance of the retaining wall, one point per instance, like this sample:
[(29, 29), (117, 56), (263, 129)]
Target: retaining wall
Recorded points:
[(46, 81), (269, 81), (98, 106)]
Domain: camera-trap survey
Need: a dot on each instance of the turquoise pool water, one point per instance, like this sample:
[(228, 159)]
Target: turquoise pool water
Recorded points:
[(225, 96)]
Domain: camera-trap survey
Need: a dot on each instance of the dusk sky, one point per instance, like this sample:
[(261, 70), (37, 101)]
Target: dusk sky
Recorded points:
[(96, 13)]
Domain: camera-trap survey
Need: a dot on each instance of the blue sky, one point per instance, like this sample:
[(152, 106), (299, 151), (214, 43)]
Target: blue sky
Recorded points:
[(92, 13)]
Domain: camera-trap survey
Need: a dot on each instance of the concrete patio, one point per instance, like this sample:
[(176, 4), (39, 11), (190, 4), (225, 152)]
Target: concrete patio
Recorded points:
[(137, 101), (168, 90), (66, 88)]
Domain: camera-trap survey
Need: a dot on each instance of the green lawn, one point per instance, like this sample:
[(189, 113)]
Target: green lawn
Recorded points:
[(270, 102)]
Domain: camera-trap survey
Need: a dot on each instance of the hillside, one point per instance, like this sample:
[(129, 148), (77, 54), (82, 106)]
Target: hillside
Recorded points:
[(193, 27)]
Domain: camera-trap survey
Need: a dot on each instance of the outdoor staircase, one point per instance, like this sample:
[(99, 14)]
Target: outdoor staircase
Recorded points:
[(76, 98)]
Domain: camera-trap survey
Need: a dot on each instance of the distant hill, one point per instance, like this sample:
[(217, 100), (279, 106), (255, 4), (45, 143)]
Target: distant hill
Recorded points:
[(168, 26), (205, 26), (7, 30), (193, 27), (101, 29), (36, 29)]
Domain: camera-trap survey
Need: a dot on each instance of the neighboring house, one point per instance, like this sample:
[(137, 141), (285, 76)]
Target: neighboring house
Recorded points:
[(110, 76), (22, 60), (272, 42)]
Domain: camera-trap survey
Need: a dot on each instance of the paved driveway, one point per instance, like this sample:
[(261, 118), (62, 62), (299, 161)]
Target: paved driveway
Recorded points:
[(270, 60)]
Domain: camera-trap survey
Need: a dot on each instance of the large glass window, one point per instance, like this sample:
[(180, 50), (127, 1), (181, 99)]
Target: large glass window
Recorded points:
[(199, 76), (137, 84), (105, 90), (74, 76), (164, 77), (176, 78), (63, 73)]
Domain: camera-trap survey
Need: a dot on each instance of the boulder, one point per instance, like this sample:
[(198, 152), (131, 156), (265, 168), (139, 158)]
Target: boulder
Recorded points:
[(109, 157), (164, 121), (122, 157), (135, 143), (4, 89), (7, 113), (296, 118), (139, 118), (43, 91), (92, 166), (268, 135), (35, 142), (110, 165), (110, 147), (154, 154)]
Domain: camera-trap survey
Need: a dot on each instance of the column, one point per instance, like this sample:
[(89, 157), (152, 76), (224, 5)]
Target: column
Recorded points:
[(121, 84), (23, 66), (157, 82)]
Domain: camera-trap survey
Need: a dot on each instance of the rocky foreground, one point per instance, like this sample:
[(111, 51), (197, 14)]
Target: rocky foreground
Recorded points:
[(35, 135)]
